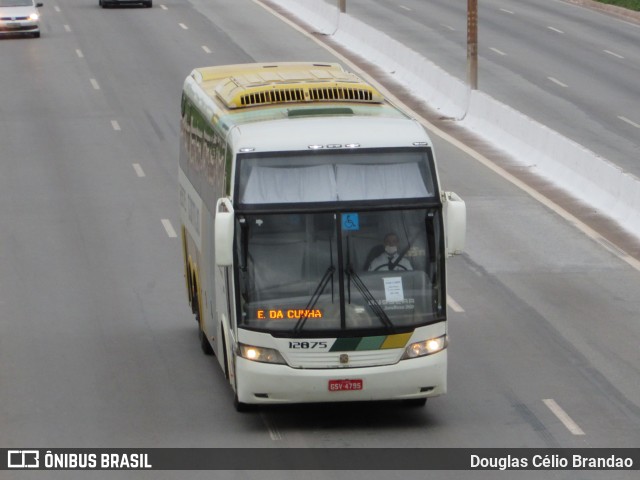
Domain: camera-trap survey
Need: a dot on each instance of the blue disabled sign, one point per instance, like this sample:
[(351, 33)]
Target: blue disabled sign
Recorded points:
[(350, 221)]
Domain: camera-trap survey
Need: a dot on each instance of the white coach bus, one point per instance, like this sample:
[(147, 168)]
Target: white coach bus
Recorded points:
[(315, 235)]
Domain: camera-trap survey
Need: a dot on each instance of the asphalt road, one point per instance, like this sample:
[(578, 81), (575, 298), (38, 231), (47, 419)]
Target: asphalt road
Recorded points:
[(98, 347), (568, 67)]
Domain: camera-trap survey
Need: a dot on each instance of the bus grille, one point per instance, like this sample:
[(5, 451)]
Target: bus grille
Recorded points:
[(318, 94), (272, 96), (367, 358), (341, 93)]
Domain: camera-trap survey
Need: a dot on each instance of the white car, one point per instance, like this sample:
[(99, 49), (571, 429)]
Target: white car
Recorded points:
[(19, 17)]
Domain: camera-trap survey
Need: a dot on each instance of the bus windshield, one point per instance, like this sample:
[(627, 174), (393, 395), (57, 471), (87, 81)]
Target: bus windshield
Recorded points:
[(314, 273)]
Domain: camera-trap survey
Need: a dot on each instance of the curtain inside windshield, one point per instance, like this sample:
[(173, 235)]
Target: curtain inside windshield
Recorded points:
[(304, 273), (335, 177)]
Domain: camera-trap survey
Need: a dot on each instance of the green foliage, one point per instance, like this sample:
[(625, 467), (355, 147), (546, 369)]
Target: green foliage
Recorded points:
[(630, 4)]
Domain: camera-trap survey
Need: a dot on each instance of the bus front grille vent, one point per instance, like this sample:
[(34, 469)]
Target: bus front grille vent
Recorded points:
[(341, 93), (272, 96), (236, 94), (269, 96)]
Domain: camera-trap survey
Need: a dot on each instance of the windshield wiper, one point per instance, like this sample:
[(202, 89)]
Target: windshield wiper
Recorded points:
[(373, 303), (314, 298)]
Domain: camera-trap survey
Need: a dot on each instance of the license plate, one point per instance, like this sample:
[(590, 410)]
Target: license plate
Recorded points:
[(345, 385)]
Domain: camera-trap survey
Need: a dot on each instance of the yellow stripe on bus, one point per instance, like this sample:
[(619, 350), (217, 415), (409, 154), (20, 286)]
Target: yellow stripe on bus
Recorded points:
[(396, 341)]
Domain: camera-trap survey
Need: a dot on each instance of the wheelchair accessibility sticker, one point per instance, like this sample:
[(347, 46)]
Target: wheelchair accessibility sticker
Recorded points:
[(350, 221)]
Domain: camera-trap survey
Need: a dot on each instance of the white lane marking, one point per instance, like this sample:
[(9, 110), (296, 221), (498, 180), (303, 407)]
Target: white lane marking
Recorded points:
[(206, 49), (483, 160), (630, 122), (164, 7), (563, 416), (448, 26), (79, 53), (613, 54), (67, 28), (183, 26), (138, 169), (507, 11), (169, 228), (274, 433), (405, 8), (57, 8), (555, 30), (455, 306), (558, 82), (115, 125), (499, 52), (94, 84)]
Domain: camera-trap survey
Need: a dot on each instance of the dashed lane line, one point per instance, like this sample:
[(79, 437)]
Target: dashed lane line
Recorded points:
[(630, 122), (274, 433), (558, 82), (613, 54), (138, 169), (169, 228), (566, 420), (455, 306)]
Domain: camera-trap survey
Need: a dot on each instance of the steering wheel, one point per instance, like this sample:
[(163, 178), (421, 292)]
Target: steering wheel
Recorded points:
[(397, 265)]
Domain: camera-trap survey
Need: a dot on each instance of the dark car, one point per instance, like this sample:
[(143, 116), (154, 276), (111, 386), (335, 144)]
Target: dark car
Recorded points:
[(113, 3)]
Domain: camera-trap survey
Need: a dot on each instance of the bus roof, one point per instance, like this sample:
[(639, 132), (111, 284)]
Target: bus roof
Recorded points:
[(286, 105), (258, 84)]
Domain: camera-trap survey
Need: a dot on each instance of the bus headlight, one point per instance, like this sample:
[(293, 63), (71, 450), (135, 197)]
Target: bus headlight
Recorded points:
[(426, 347), (260, 354)]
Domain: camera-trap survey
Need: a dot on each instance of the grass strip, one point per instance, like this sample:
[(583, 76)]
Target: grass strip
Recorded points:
[(630, 4)]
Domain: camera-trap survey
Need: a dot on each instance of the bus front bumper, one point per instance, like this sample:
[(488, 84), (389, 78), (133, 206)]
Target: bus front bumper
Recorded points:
[(263, 383)]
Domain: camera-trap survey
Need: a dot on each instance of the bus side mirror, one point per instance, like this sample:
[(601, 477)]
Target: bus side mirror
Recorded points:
[(455, 220), (224, 233)]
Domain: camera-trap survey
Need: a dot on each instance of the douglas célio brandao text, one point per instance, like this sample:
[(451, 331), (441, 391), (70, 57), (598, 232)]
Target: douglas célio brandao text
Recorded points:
[(551, 461)]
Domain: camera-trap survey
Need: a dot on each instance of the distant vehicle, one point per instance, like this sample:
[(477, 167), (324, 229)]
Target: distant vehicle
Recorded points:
[(113, 3), (292, 175), (19, 17)]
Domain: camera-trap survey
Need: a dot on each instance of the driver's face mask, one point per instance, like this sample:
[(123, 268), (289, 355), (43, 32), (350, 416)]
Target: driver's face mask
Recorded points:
[(390, 250)]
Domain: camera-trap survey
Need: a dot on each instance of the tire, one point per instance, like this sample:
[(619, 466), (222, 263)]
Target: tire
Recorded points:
[(238, 405), (148, 4), (416, 402), (241, 407), (36, 35), (204, 343), (224, 357), (195, 308)]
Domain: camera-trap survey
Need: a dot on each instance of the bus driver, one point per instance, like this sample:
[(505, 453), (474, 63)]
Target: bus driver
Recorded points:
[(389, 259)]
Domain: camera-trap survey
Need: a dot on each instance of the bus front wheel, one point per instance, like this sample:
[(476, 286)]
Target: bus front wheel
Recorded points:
[(416, 402), (240, 407), (204, 343)]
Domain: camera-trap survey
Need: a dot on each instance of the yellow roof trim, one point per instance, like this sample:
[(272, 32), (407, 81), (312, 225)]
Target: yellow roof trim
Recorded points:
[(249, 85)]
